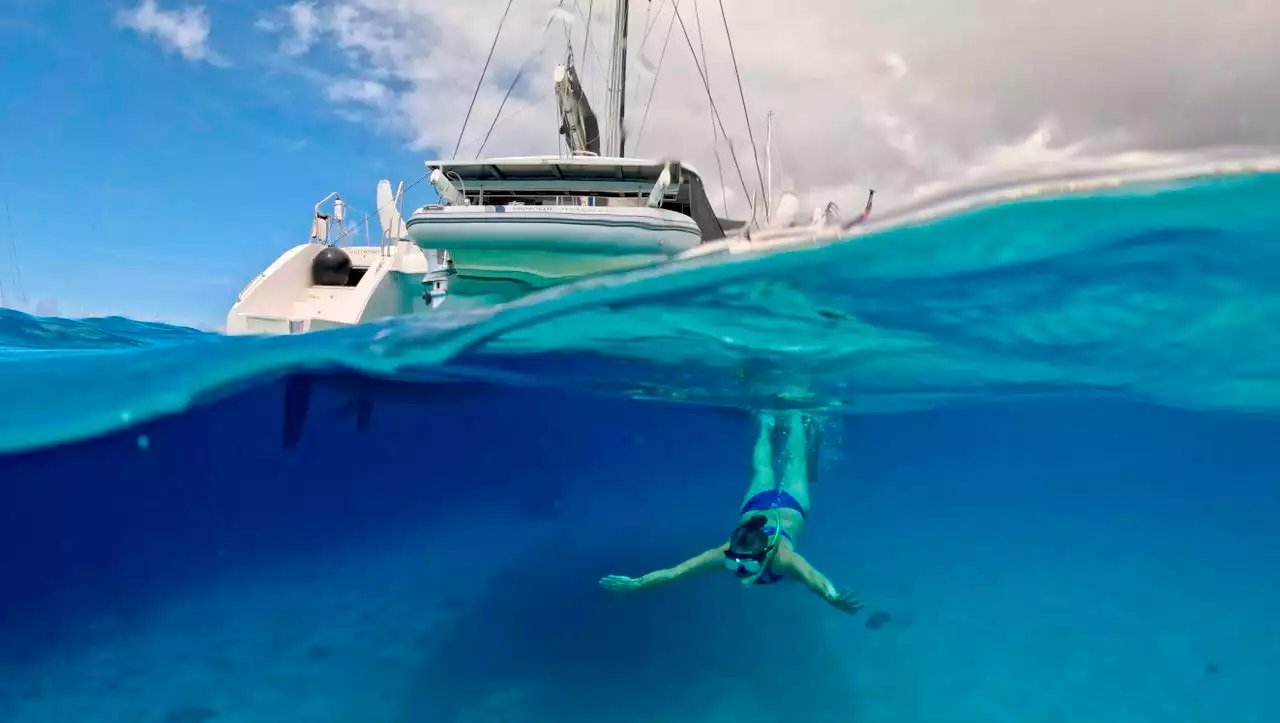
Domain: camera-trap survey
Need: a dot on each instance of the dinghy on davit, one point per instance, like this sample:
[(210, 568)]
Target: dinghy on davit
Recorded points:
[(515, 225)]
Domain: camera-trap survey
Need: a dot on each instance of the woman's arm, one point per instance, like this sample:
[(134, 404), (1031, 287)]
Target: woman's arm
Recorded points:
[(700, 563), (704, 561), (791, 562)]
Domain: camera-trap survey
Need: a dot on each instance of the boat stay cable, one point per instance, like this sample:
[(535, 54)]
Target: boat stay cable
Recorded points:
[(651, 18), (658, 71), (586, 42), (715, 137), (710, 99), (480, 82), (536, 51), (13, 243), (4, 195), (653, 22), (644, 40), (743, 96)]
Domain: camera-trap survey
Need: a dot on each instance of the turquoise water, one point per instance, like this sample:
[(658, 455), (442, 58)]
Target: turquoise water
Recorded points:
[(1049, 471), (1156, 292)]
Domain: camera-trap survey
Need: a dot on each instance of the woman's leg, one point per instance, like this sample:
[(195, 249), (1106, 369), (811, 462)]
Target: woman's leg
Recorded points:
[(762, 459), (795, 479)]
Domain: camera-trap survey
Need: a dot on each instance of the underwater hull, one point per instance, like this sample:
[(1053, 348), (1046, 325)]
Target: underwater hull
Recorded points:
[(497, 249)]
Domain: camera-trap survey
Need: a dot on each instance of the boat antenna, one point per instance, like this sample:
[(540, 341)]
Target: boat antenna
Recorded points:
[(480, 82), (742, 95)]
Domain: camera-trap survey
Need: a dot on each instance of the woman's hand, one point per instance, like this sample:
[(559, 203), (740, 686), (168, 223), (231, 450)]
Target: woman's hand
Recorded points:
[(845, 601), (619, 583)]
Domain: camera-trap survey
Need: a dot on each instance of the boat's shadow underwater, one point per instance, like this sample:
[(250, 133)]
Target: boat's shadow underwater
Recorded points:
[(545, 642)]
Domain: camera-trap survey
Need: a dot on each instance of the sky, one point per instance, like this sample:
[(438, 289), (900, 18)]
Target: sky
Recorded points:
[(156, 155)]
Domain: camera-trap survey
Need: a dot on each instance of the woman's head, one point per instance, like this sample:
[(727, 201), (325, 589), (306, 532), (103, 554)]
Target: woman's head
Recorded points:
[(750, 549), (749, 538)]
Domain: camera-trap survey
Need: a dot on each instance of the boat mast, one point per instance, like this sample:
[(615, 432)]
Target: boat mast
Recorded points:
[(618, 80)]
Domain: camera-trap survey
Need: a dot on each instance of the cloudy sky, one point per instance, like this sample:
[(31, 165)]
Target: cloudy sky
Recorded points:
[(878, 92), (188, 135)]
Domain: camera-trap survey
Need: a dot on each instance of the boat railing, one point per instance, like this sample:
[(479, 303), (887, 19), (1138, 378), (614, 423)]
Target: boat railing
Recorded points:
[(336, 223)]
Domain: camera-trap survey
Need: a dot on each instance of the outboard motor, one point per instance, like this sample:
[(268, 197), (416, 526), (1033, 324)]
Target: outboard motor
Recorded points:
[(331, 267)]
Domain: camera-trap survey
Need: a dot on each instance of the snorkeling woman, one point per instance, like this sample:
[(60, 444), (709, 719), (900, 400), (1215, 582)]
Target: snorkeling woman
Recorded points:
[(761, 550)]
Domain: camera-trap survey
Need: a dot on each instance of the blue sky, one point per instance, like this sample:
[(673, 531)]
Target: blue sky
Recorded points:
[(150, 183)]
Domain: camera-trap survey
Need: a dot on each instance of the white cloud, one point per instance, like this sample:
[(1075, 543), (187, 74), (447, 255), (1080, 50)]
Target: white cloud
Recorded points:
[(365, 91), (184, 31), (299, 23), (900, 97)]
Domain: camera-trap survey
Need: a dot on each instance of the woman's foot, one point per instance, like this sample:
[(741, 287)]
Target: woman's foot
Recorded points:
[(767, 421), (797, 425), (812, 447)]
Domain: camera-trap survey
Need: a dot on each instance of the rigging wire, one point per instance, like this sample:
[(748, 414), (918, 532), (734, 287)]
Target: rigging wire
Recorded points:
[(13, 244), (746, 116), (656, 14), (714, 111), (715, 138), (466, 147), (480, 82), (4, 194), (514, 81), (661, 57), (364, 220), (652, 17), (648, 14), (591, 13), (586, 43)]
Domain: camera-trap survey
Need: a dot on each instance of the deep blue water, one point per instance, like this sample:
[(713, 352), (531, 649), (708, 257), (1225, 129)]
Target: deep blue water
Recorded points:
[(1050, 432)]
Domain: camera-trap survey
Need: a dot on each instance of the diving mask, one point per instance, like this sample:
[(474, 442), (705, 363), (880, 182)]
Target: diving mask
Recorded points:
[(745, 566)]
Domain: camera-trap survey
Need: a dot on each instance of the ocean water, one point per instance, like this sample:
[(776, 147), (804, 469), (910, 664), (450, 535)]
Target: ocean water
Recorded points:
[(1048, 468)]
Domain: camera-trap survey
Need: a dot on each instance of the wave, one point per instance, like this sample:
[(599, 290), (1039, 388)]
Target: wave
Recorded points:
[(1158, 283)]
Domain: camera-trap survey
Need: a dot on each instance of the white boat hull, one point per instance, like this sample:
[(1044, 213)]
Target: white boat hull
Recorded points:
[(499, 249), (284, 300)]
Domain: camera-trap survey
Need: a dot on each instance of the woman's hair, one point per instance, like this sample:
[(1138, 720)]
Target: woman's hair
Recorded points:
[(749, 538)]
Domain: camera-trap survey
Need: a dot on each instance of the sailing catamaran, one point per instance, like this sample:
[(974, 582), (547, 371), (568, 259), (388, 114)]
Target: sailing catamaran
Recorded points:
[(512, 225), (505, 226)]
